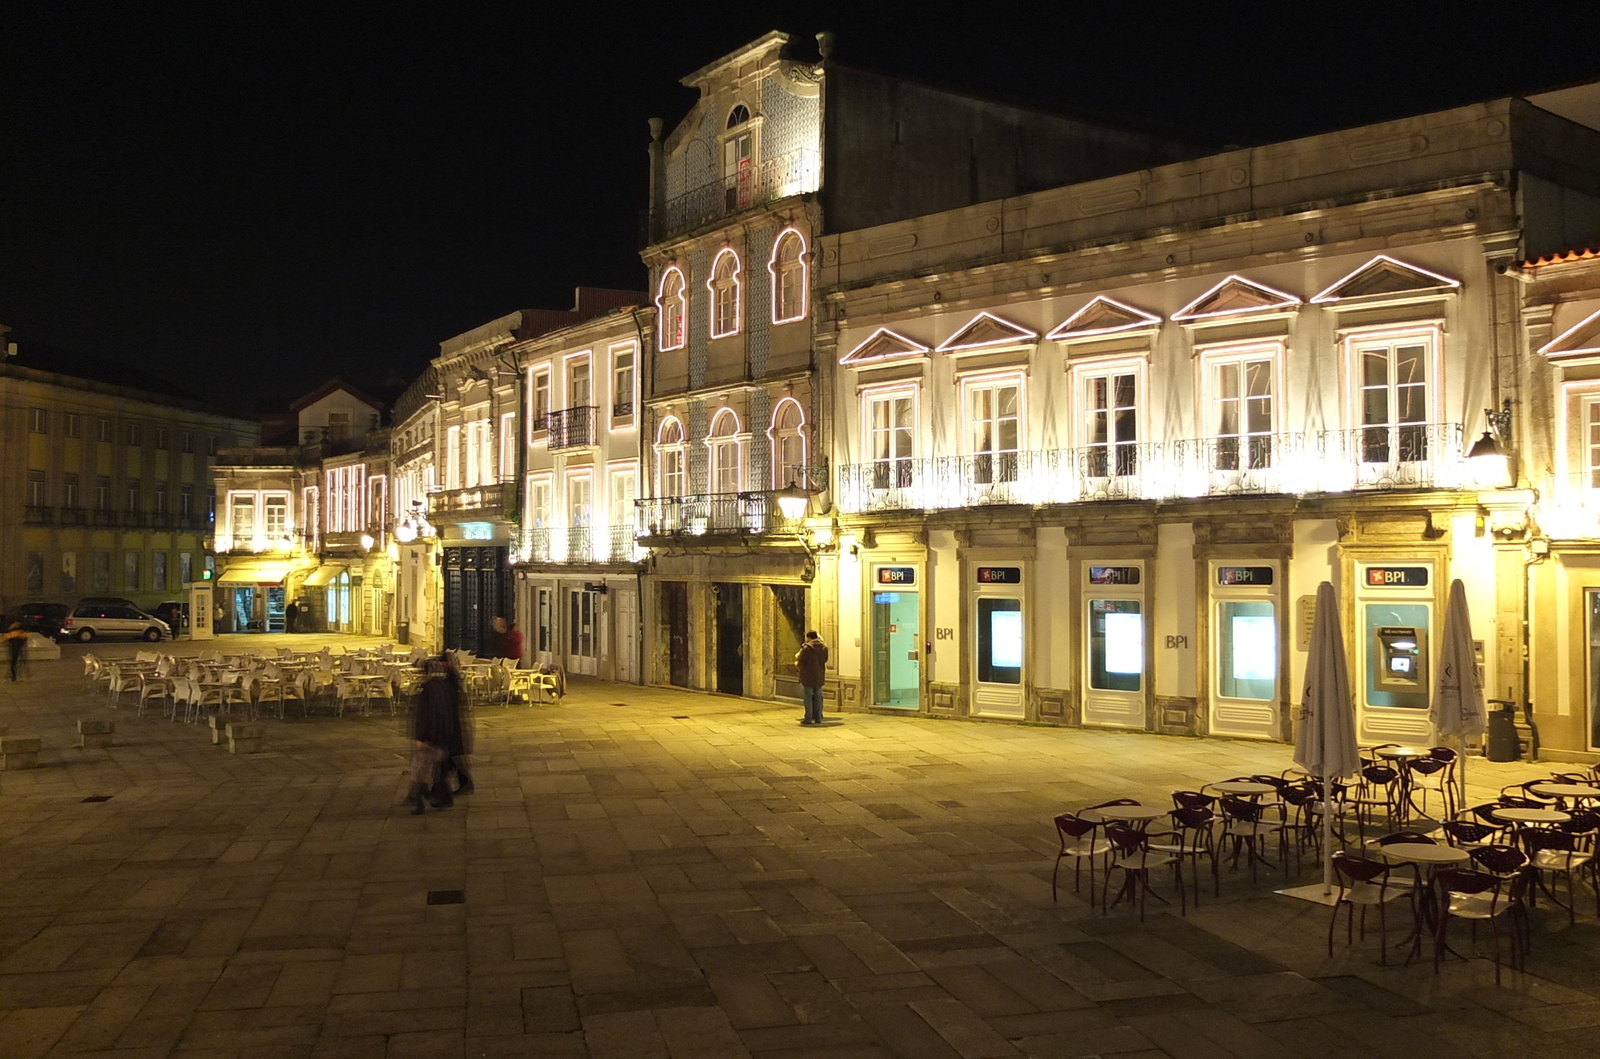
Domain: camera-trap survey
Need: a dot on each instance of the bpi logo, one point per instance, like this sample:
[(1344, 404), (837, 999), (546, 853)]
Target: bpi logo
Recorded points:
[(1396, 576)]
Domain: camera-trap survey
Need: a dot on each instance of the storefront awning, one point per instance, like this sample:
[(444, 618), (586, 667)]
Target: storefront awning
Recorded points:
[(255, 572), (324, 574)]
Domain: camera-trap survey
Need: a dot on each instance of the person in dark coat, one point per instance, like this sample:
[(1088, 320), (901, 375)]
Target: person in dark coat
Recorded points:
[(435, 731), (812, 663), (496, 643), (291, 618), (460, 732)]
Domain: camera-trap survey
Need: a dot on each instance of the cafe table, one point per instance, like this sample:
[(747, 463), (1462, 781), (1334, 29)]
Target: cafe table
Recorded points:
[(1243, 788), (1566, 792), (1514, 815), (1131, 814), (1426, 858), (1402, 757)]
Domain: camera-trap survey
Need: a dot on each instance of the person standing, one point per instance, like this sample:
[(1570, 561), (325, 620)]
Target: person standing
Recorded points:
[(494, 644), (514, 644), (16, 639), (291, 617), (812, 661)]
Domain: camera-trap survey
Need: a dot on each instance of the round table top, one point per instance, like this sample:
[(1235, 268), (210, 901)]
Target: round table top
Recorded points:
[(1423, 853), (1131, 812), (1565, 790), (1403, 753), (1531, 816), (1244, 787)]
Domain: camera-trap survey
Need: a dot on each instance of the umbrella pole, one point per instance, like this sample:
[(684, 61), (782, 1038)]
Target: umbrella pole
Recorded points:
[(1327, 834), (1461, 766)]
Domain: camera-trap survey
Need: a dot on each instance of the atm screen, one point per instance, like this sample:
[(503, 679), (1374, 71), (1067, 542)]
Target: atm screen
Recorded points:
[(1400, 665)]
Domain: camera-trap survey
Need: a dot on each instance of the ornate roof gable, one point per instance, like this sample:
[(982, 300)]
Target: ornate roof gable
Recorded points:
[(1104, 316), (1236, 296), (884, 344), (1385, 276), (986, 331)]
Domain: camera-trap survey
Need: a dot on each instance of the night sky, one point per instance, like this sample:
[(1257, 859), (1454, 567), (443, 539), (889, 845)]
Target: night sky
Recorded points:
[(251, 197)]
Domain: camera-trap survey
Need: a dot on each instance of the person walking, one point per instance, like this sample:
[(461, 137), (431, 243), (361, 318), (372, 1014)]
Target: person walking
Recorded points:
[(812, 661), (431, 724), (16, 639), (458, 742), (494, 644), (514, 644)]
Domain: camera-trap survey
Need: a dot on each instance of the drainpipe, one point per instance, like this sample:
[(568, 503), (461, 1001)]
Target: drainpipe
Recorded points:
[(1534, 558)]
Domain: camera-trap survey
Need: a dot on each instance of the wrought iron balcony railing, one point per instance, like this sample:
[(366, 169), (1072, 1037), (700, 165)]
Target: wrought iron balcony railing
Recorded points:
[(742, 514), (78, 516), (795, 173), (580, 544), (571, 428), (489, 497), (1410, 456)]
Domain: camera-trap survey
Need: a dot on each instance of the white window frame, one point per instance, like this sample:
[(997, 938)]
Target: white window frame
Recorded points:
[(721, 448), (776, 437), (568, 480), (538, 433), (377, 493), (508, 447), (287, 529), (1240, 354), (1081, 376), (614, 353), (248, 500), (994, 381), (871, 396), (452, 457), (672, 482), (727, 291), (540, 485), (626, 516), (672, 308), (1358, 341), (782, 313)]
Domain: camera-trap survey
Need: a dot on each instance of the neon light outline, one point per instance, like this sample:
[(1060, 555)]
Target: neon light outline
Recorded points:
[(966, 383), (680, 446), (1327, 297), (1064, 330), (917, 348), (715, 441), (630, 346), (738, 293), (772, 438), (1432, 333), (800, 264), (997, 343), (662, 316), (1549, 348), (1286, 301)]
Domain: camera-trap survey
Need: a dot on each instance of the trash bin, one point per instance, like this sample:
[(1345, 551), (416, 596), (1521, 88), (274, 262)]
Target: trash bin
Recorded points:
[(1502, 743), (402, 632)]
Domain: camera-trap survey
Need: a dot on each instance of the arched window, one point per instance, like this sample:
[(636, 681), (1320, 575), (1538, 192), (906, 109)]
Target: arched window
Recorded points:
[(723, 442), (672, 306), (670, 458), (724, 287), (738, 160), (788, 444), (788, 268), (738, 116)]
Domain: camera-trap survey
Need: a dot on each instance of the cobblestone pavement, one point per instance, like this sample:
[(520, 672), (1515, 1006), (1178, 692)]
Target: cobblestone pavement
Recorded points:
[(651, 874)]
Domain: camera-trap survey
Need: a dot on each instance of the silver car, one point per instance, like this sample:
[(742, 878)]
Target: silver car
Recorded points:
[(92, 620)]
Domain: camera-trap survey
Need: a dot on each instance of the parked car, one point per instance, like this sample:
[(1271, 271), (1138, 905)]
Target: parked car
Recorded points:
[(113, 601), (175, 614), (91, 620), (42, 618)]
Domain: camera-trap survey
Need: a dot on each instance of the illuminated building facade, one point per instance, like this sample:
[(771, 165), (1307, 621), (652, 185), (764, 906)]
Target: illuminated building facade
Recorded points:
[(106, 485), (307, 521), (1094, 447), (577, 560), (775, 153)]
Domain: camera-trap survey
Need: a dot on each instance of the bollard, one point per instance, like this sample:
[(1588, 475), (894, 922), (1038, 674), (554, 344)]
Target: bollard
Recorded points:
[(95, 735), (19, 752), (217, 727), (244, 739)]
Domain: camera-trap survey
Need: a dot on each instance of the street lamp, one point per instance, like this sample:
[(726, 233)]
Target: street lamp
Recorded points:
[(793, 501), (1488, 458)]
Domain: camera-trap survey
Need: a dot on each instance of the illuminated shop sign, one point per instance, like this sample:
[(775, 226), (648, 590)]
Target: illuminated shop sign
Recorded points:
[(897, 575), (1244, 575), (999, 575), (1397, 576), (1113, 575)]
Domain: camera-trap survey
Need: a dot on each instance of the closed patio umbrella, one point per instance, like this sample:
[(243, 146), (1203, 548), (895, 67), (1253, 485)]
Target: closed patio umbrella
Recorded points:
[(1325, 744), (1457, 708)]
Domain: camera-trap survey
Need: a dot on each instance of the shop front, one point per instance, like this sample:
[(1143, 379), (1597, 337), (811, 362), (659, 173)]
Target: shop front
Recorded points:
[(586, 623), (1115, 666), (895, 624), (250, 593), (1246, 636), (1394, 651)]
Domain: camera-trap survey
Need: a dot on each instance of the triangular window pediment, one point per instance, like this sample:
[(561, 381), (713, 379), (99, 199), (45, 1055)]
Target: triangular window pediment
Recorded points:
[(985, 331), (1581, 339), (1236, 296), (884, 344), (1382, 277), (1104, 316)]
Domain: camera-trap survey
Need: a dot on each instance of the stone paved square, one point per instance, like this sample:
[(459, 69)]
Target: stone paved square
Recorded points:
[(651, 873)]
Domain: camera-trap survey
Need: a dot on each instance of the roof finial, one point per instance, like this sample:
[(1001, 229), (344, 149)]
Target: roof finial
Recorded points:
[(825, 41)]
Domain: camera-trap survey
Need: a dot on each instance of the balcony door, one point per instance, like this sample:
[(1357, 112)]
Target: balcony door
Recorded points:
[(1394, 401), (994, 427), (891, 441)]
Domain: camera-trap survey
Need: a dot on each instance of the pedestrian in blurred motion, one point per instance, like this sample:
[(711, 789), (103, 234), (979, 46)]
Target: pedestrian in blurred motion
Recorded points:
[(16, 639), (496, 644), (514, 644), (431, 730)]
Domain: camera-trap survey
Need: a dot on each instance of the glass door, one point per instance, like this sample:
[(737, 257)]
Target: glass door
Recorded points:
[(896, 650), (1114, 682), (583, 647), (1001, 643)]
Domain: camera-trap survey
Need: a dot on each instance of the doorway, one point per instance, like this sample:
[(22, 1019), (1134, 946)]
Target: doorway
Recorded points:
[(675, 629), (583, 638), (730, 637), (896, 655), (1114, 645), (788, 629), (625, 659)]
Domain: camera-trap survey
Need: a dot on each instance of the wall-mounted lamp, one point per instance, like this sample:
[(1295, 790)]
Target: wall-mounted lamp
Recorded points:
[(367, 542), (1490, 457)]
